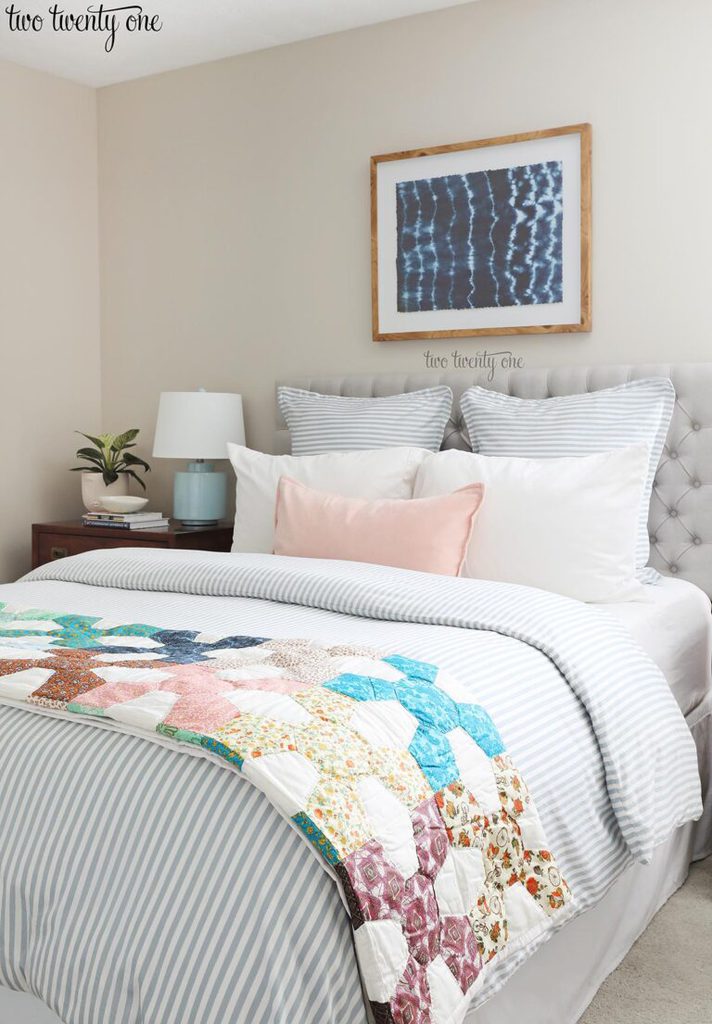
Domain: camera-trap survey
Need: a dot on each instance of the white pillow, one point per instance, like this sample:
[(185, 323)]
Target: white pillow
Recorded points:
[(386, 473), (567, 525)]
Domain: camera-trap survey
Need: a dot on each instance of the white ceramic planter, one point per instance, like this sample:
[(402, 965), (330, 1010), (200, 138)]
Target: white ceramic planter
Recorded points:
[(94, 490)]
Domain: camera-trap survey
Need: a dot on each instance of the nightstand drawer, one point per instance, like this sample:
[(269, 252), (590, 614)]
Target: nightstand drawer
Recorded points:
[(51, 541), (51, 546)]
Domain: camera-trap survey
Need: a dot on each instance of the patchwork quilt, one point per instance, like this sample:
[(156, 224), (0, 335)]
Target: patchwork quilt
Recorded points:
[(382, 762)]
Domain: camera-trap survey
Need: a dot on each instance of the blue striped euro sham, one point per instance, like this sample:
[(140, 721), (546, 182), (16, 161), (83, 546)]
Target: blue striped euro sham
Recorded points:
[(331, 423)]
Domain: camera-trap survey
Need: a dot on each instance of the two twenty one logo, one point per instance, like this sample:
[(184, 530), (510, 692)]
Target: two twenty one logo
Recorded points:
[(99, 18)]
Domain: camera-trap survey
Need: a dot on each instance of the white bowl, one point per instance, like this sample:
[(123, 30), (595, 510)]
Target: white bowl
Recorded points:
[(122, 505)]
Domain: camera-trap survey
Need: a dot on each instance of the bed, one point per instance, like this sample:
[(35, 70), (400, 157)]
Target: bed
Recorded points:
[(132, 890)]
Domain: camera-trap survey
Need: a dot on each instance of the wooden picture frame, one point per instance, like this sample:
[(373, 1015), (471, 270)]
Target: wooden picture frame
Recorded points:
[(559, 183)]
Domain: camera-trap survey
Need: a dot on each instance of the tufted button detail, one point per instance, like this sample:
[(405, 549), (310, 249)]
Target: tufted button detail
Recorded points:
[(674, 569), (673, 513), (653, 540), (673, 455), (696, 483), (696, 541), (695, 426)]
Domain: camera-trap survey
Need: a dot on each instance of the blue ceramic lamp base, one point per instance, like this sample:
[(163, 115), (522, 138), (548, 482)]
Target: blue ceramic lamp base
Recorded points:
[(199, 495)]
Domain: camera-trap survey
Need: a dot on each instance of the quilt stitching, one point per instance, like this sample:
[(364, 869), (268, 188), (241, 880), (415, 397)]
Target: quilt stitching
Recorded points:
[(384, 763)]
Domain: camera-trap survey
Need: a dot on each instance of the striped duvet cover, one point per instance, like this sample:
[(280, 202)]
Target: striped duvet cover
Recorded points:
[(142, 885)]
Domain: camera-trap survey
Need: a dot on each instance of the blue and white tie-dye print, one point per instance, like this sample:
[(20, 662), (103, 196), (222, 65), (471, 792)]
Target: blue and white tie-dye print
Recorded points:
[(480, 240)]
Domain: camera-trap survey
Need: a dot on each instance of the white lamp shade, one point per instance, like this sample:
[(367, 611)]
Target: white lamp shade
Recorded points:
[(197, 425)]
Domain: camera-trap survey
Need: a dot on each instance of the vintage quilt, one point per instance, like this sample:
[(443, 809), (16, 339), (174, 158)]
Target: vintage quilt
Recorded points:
[(382, 762)]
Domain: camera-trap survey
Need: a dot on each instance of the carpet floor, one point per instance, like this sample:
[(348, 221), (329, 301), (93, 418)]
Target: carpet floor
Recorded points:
[(667, 977)]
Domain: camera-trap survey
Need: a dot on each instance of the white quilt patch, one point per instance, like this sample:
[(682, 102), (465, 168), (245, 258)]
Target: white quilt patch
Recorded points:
[(391, 824), (361, 665), (459, 880), (286, 778), (384, 723), (144, 712), (21, 684), (236, 675), (277, 706), (475, 769), (448, 1004), (30, 626), (124, 674), (382, 955), (521, 910), (140, 642)]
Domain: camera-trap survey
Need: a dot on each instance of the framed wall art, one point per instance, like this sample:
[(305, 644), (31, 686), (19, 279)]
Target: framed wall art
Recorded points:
[(487, 237)]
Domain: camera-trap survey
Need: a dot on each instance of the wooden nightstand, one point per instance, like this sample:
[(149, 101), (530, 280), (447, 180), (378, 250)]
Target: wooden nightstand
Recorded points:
[(57, 540)]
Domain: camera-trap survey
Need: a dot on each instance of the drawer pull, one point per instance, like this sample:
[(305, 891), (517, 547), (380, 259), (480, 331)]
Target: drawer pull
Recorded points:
[(57, 552)]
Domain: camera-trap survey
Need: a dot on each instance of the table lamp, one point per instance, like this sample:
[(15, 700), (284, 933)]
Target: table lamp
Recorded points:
[(197, 425)]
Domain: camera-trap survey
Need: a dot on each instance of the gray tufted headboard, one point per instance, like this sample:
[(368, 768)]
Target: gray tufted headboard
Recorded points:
[(681, 508)]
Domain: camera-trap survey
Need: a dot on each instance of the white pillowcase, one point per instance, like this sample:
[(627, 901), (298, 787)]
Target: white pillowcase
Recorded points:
[(386, 473), (566, 525)]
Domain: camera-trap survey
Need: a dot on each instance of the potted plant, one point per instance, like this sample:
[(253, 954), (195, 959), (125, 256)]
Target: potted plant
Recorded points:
[(109, 466)]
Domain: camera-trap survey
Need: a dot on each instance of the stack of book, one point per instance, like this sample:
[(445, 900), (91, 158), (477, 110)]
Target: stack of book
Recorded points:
[(127, 521)]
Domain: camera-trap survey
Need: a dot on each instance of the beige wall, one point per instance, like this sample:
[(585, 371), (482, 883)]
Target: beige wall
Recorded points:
[(234, 214), (49, 300), (234, 195)]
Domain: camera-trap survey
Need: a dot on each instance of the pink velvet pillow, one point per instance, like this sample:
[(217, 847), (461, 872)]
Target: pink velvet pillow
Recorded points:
[(427, 534)]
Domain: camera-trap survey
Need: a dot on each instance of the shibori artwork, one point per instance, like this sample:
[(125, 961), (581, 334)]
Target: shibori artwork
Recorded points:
[(385, 764), (487, 237)]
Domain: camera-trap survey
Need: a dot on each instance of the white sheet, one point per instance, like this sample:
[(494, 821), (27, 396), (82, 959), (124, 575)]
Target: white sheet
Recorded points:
[(673, 624)]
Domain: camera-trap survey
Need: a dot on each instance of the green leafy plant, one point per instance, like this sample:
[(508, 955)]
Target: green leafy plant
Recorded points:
[(111, 457)]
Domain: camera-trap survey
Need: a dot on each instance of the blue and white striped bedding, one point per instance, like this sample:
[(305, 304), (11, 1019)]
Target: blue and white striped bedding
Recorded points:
[(122, 933)]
